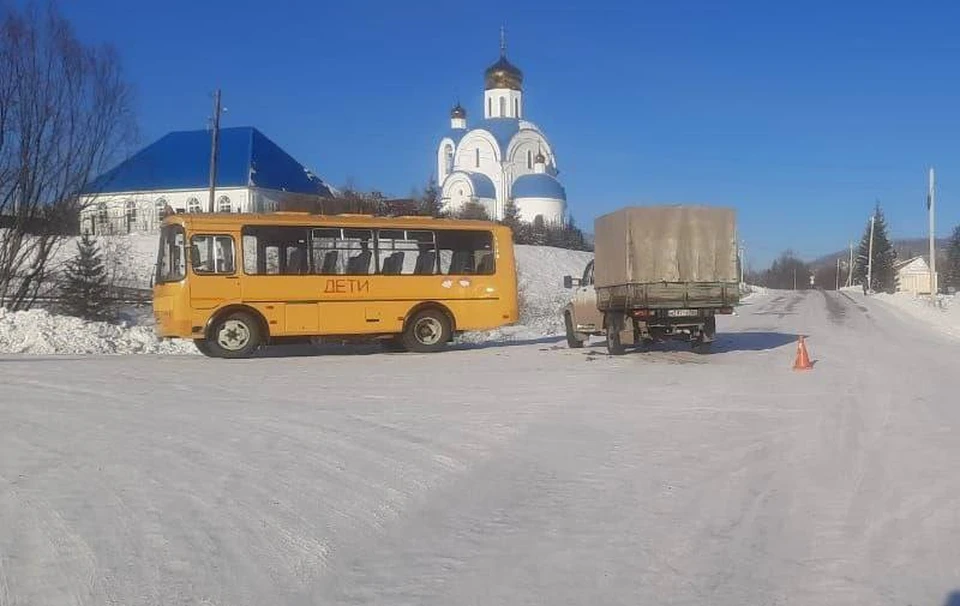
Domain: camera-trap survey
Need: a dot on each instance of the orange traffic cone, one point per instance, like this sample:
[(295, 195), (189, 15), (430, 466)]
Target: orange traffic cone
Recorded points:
[(803, 359)]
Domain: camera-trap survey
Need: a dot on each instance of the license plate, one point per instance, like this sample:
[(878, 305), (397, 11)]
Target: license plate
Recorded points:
[(682, 313)]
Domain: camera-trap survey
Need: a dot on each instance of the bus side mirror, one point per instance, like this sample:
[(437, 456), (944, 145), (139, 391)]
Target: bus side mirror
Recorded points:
[(570, 281)]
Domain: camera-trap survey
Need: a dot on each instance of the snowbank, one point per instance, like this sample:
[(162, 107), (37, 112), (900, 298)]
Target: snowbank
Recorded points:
[(39, 332), (540, 272), (944, 317)]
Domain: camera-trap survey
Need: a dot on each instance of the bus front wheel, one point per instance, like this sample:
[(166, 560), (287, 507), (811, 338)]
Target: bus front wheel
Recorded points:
[(427, 331), (235, 335)]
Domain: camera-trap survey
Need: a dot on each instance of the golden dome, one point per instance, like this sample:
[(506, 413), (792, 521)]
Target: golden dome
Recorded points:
[(503, 74)]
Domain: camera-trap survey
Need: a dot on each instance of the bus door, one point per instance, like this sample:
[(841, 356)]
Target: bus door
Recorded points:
[(214, 279)]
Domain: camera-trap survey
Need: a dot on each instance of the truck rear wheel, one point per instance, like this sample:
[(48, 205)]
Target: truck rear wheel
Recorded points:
[(572, 341), (614, 323)]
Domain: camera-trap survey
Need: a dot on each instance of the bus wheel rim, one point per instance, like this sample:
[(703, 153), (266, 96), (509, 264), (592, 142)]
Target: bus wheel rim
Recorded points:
[(233, 335), (428, 331)]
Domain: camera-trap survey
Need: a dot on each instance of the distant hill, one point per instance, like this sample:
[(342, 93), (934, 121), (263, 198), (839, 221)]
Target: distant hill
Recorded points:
[(906, 248)]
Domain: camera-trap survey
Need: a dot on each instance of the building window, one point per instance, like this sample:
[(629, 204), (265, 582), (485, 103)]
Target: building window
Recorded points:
[(503, 107), (161, 205), (131, 213), (193, 205), (102, 215), (516, 108), (490, 107), (529, 159), (223, 204), (448, 159), (476, 154)]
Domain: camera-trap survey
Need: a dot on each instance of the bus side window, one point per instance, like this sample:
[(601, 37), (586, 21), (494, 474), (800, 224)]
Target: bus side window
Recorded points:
[(269, 250), (341, 251), (464, 252), (406, 252)]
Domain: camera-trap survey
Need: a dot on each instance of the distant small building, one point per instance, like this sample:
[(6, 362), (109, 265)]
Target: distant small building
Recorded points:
[(172, 175), (913, 276)]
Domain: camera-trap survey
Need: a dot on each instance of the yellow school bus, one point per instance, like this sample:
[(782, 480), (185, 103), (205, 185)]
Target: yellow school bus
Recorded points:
[(234, 282)]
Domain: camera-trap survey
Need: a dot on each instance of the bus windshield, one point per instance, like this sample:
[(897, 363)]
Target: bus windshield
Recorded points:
[(171, 264)]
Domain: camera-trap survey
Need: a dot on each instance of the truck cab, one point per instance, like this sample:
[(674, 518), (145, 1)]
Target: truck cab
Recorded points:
[(581, 316)]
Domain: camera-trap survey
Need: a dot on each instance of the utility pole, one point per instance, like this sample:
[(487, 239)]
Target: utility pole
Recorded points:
[(214, 149), (743, 261), (873, 219), (838, 273), (794, 278), (850, 267), (933, 243)]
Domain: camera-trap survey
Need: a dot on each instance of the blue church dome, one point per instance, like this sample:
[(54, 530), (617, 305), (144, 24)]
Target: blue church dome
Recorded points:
[(538, 185)]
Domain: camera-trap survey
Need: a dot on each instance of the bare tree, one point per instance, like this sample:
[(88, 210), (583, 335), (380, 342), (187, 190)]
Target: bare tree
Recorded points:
[(65, 112)]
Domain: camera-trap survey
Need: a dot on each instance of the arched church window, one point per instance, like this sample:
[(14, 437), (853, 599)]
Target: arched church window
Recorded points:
[(476, 154), (490, 107), (223, 204), (529, 159), (503, 107), (516, 108), (448, 158)]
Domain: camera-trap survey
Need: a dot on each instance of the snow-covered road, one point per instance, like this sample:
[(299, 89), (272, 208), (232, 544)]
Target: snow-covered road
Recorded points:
[(512, 474)]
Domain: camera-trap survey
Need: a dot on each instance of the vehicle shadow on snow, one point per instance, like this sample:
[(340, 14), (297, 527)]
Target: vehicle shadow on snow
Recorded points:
[(751, 341), (725, 343), (373, 348)]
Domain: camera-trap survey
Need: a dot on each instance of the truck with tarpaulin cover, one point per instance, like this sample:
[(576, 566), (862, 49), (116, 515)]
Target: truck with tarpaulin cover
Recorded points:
[(658, 273)]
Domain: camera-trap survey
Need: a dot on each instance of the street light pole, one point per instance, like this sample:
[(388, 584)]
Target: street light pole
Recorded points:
[(933, 243), (838, 273), (873, 220)]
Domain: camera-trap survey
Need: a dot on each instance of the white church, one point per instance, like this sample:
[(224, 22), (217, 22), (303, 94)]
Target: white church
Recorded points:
[(502, 157)]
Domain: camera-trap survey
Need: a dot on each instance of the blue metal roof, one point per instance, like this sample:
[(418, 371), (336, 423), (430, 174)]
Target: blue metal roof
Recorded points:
[(482, 185), (181, 160), (455, 134), (502, 129), (538, 185)]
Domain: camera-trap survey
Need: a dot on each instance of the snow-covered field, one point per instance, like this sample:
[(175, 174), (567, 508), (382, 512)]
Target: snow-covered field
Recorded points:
[(495, 474), (541, 272)]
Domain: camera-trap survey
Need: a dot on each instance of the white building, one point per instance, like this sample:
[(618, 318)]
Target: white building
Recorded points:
[(172, 176), (502, 157), (913, 276)]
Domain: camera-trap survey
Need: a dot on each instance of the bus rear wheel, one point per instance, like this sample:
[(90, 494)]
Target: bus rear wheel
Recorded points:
[(427, 331), (235, 335)]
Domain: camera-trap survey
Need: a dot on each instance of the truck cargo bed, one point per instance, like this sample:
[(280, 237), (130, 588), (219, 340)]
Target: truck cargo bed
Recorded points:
[(669, 295)]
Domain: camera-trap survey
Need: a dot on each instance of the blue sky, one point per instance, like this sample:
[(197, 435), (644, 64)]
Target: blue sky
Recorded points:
[(799, 115)]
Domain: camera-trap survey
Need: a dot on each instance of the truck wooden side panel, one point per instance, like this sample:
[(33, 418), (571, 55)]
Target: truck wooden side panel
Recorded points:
[(667, 295)]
